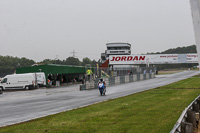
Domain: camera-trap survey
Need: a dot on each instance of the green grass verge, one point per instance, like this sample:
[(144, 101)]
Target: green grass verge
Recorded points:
[(169, 72), (152, 111), (190, 83)]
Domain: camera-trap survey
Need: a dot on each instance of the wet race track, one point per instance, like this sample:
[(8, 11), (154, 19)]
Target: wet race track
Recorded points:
[(19, 106)]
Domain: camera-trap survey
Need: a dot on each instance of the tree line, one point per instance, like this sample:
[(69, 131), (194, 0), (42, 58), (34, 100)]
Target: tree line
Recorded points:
[(8, 64), (178, 50), (71, 61)]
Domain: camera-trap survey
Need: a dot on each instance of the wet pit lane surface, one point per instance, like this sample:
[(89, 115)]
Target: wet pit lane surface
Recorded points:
[(22, 105)]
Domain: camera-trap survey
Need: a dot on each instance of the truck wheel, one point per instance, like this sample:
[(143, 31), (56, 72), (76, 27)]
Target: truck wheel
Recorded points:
[(26, 87), (1, 90)]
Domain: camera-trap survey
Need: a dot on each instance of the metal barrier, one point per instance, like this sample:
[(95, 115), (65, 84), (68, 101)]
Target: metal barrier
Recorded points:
[(189, 119), (120, 71), (117, 80), (118, 75)]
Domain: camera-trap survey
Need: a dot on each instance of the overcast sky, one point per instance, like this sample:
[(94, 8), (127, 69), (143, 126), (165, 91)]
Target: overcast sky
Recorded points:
[(41, 29)]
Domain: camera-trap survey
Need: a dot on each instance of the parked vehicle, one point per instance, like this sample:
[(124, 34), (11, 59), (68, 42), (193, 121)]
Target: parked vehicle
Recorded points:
[(19, 81), (41, 79)]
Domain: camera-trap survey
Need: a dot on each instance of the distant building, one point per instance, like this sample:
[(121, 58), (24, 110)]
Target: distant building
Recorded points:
[(116, 49)]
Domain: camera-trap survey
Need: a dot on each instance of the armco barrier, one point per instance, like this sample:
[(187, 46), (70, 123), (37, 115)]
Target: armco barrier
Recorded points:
[(131, 78), (144, 76), (138, 77), (141, 76), (189, 119), (107, 81), (112, 80), (127, 77), (117, 80), (147, 76), (135, 77), (122, 79)]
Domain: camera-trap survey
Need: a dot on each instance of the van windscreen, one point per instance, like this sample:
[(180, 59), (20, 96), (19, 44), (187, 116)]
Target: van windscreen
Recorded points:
[(4, 80)]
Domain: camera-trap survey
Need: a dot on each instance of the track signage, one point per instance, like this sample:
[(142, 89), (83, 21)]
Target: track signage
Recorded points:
[(153, 59)]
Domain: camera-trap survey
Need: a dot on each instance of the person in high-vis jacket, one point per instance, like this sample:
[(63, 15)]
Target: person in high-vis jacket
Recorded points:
[(89, 72)]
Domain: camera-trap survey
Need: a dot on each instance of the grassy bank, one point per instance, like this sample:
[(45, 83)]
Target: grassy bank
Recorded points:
[(165, 72), (191, 83), (153, 111)]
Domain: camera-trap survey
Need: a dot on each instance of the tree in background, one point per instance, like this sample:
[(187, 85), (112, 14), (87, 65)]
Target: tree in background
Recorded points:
[(86, 61), (181, 50), (68, 61), (72, 61), (8, 64), (46, 61), (94, 63), (178, 50)]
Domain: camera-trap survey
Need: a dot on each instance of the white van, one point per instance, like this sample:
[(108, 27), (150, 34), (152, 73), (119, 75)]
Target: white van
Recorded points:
[(19, 81), (41, 79)]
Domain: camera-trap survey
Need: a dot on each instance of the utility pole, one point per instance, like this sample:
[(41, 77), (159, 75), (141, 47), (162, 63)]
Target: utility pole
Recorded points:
[(73, 53), (56, 57)]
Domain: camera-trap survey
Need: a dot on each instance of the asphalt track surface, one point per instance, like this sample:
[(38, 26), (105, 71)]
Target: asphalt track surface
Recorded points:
[(20, 106)]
